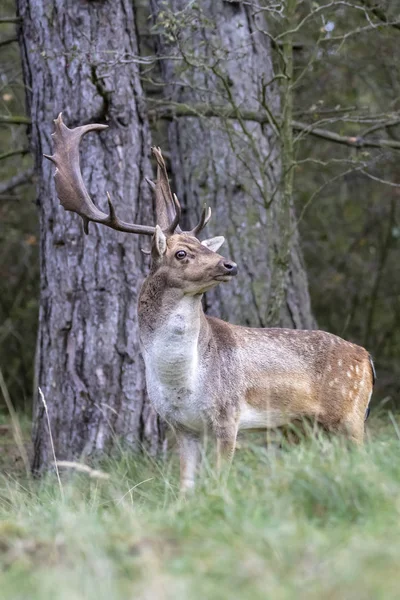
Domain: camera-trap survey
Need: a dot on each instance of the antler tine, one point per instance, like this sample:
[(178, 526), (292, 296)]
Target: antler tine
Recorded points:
[(205, 217), (70, 187), (174, 225), (167, 206)]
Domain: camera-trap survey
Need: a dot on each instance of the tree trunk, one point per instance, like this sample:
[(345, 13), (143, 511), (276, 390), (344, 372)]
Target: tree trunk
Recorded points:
[(232, 165), (88, 362)]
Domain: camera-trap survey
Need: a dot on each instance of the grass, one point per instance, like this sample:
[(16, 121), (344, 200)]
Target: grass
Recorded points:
[(312, 521)]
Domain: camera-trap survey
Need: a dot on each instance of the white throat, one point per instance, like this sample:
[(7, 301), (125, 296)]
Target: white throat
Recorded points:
[(171, 351)]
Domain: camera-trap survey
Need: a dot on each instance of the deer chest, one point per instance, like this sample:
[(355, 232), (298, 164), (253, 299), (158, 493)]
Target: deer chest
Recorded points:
[(174, 383)]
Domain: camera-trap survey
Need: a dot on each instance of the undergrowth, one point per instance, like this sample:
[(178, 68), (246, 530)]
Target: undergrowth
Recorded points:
[(314, 520)]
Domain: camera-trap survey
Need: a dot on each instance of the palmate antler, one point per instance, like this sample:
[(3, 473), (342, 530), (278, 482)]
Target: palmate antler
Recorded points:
[(70, 187), (74, 196)]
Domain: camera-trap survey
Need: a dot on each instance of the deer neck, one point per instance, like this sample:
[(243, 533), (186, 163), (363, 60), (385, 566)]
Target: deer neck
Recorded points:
[(171, 325)]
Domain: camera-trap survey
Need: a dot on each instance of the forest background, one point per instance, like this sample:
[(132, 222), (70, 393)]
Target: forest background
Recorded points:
[(343, 104), (285, 118)]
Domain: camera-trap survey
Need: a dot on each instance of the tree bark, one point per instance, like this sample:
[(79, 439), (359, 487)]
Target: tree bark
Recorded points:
[(88, 362), (220, 57)]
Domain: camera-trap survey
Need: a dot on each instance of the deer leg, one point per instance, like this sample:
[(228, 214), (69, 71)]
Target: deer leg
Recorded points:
[(226, 443), (189, 452), (353, 430)]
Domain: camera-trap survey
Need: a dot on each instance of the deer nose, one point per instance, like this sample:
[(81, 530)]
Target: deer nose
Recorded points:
[(230, 267)]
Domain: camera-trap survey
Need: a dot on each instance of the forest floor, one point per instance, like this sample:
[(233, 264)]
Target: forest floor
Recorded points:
[(312, 521)]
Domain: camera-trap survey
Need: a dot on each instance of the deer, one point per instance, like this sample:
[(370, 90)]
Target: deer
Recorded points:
[(204, 374)]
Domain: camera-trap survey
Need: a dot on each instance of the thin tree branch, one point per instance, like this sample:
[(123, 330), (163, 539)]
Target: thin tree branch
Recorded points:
[(318, 10), (343, 38), (316, 110), (388, 123), (15, 119), (9, 41), (171, 111), (13, 182), (352, 141), (379, 180), (14, 153), (10, 20), (378, 13), (295, 45), (10, 198), (322, 187)]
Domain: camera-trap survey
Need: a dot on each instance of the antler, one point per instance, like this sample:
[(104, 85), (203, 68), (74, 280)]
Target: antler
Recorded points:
[(205, 217), (166, 202), (168, 209), (74, 196), (70, 187)]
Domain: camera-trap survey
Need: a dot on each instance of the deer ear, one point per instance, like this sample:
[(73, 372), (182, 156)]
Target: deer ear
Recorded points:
[(214, 243), (159, 241)]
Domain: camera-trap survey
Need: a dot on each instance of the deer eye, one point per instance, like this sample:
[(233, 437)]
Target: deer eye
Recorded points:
[(180, 254)]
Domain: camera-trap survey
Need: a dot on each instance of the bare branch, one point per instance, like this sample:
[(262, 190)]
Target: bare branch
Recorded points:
[(320, 189), (19, 179), (15, 120), (371, 27), (10, 20), (383, 125), (352, 141), (14, 153), (379, 180), (9, 41), (316, 110), (295, 45), (317, 11), (171, 111), (10, 198), (379, 13)]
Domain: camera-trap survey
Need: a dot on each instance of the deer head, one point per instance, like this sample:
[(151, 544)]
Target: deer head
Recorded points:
[(186, 263)]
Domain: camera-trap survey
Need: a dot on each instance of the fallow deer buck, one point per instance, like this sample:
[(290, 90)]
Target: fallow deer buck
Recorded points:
[(203, 373)]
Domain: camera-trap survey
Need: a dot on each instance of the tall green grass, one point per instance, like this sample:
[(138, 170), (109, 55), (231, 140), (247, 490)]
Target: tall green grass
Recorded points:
[(315, 520)]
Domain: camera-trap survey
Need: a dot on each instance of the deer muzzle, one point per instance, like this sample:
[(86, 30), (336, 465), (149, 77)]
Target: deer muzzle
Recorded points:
[(228, 269)]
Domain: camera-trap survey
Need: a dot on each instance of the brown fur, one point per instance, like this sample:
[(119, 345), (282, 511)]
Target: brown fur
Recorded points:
[(202, 373), (248, 376)]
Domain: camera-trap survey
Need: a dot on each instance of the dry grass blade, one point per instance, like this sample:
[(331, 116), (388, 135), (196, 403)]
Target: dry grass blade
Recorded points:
[(395, 426), (51, 441), (68, 464), (133, 488), (17, 433)]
